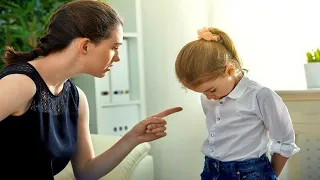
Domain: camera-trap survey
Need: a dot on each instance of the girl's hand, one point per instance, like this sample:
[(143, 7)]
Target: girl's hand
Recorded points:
[(151, 128)]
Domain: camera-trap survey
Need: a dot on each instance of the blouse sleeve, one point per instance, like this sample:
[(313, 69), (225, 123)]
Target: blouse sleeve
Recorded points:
[(274, 113)]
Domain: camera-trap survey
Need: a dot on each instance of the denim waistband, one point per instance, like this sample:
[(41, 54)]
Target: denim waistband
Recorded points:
[(233, 166)]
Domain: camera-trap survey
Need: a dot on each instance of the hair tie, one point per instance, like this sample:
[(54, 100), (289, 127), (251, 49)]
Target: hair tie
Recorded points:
[(33, 54), (205, 34)]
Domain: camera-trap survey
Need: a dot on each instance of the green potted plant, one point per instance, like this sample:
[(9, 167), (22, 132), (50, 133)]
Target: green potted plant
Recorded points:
[(22, 22), (312, 69)]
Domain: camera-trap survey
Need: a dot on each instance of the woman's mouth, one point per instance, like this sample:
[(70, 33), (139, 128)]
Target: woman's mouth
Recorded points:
[(108, 67)]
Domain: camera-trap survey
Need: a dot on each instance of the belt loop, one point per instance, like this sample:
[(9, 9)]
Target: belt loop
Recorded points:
[(207, 164), (234, 167), (216, 165)]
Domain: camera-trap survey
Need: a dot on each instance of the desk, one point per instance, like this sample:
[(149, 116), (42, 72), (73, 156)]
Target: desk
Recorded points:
[(304, 109)]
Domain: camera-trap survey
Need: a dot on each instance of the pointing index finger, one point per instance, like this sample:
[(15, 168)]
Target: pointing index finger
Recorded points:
[(168, 112)]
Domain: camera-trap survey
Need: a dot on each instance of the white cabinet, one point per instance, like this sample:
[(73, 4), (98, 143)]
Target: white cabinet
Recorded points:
[(304, 109), (117, 101), (124, 118), (119, 76)]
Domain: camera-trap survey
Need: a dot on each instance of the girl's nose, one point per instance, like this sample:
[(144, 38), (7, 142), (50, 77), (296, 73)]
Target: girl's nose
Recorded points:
[(210, 96)]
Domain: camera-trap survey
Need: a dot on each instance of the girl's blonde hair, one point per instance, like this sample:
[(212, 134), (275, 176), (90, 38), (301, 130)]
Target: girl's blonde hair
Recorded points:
[(202, 60)]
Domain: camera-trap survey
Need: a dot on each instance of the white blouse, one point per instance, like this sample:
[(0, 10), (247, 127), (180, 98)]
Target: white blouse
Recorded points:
[(239, 125)]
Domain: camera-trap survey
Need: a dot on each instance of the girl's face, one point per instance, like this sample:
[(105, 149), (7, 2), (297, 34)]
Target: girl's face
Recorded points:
[(220, 87)]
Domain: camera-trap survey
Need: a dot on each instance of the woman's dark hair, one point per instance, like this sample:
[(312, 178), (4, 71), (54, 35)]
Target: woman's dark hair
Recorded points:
[(83, 18)]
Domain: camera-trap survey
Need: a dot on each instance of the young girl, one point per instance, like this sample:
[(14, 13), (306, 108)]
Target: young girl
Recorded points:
[(240, 113), (44, 117)]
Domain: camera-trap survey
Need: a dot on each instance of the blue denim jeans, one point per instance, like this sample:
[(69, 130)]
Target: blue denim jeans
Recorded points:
[(253, 169)]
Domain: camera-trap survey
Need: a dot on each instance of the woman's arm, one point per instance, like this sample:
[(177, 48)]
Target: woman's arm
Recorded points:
[(87, 166), (16, 92)]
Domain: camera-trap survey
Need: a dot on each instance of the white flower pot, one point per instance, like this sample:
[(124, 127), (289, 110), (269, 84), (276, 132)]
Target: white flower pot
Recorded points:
[(312, 73)]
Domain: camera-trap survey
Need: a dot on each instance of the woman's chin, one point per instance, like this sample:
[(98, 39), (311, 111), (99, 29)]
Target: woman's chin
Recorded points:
[(101, 75)]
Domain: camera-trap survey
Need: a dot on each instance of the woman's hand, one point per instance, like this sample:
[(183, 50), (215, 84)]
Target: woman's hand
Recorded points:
[(151, 128)]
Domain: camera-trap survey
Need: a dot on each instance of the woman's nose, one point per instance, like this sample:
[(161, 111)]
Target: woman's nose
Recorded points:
[(116, 58)]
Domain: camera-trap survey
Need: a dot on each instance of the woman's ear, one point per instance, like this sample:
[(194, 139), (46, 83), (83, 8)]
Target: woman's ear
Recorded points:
[(84, 45)]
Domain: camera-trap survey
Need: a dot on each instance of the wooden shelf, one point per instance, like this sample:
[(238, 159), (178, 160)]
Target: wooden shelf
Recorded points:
[(300, 95), (305, 115)]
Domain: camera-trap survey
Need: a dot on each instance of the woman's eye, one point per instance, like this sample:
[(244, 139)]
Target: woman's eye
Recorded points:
[(213, 90), (116, 48)]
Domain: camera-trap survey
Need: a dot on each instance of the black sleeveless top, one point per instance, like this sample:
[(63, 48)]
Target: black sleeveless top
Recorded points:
[(40, 143)]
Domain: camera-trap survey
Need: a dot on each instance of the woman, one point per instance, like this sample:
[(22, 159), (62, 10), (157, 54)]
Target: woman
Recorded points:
[(44, 118)]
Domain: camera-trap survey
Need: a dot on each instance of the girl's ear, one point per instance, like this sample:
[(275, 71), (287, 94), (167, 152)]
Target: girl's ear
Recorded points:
[(230, 69)]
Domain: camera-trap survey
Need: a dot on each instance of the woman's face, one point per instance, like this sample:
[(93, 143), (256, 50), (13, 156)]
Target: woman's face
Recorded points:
[(99, 59)]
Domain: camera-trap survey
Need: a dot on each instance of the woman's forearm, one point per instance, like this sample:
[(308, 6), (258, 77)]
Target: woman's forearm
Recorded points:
[(107, 161)]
